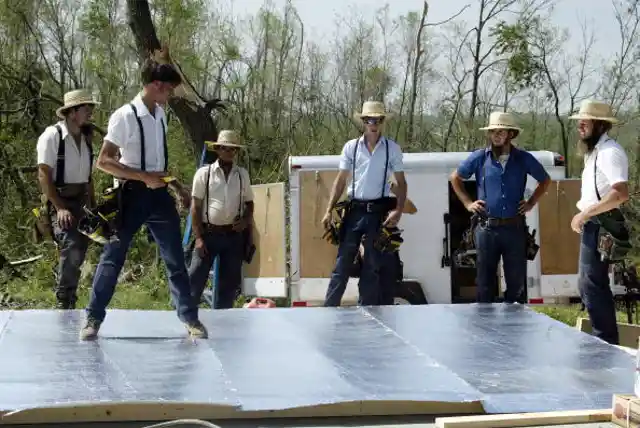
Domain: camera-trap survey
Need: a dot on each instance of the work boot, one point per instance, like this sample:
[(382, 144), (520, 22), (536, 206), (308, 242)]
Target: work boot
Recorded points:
[(197, 330), (90, 329)]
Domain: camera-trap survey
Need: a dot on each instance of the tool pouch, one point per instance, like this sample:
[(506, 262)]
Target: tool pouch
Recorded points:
[(613, 237), (42, 226), (532, 247)]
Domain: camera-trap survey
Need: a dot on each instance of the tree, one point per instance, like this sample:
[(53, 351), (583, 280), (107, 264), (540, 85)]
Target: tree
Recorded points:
[(191, 108)]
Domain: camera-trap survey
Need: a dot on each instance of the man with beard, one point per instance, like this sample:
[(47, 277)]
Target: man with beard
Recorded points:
[(135, 153), (369, 160), (604, 189), (221, 209), (501, 172), (65, 161)]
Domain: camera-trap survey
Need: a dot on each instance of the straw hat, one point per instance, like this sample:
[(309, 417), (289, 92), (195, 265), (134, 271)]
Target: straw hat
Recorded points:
[(372, 109), (75, 98), (595, 110), (501, 120), (226, 138)]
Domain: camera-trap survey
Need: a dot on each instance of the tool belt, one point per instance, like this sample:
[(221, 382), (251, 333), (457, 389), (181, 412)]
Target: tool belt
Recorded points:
[(613, 236), (74, 195), (101, 224)]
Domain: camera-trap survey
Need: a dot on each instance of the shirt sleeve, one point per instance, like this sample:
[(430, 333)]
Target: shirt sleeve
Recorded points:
[(614, 164), (469, 166), (47, 147), (396, 163), (247, 190), (346, 157), (117, 129), (199, 183), (535, 168)]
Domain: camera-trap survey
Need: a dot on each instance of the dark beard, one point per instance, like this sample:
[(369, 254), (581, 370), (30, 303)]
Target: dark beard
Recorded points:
[(586, 145)]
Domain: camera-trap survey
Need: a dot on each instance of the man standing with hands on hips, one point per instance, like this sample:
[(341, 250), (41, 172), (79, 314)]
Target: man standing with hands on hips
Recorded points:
[(370, 160), (135, 153), (604, 188), (501, 172)]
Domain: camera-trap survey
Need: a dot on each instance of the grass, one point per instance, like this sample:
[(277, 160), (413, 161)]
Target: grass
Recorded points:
[(144, 285)]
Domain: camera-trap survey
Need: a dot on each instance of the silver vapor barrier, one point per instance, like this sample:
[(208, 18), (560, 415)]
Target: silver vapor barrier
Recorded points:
[(508, 358)]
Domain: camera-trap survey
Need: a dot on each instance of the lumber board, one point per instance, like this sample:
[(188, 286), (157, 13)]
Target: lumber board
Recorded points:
[(629, 333), (526, 419)]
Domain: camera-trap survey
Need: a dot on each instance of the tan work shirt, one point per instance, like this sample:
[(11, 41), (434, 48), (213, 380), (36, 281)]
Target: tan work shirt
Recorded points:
[(226, 196)]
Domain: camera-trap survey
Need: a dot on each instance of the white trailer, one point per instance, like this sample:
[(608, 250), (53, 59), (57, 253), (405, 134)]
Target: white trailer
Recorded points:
[(432, 234)]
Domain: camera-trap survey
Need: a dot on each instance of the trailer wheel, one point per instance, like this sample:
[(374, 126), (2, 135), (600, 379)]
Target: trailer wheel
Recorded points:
[(409, 293)]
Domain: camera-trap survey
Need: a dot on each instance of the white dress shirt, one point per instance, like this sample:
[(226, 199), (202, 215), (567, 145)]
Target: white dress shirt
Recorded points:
[(124, 132), (369, 167), (76, 157), (612, 167)]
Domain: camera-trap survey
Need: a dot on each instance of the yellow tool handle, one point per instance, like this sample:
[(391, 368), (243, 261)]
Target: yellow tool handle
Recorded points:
[(169, 179)]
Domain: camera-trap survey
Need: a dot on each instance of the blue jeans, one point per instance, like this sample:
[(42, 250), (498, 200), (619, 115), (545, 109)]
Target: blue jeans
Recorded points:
[(155, 208), (229, 247), (377, 273), (593, 284), (509, 242)]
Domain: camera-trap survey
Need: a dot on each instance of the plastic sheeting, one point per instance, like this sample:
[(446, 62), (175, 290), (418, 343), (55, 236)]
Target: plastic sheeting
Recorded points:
[(506, 356)]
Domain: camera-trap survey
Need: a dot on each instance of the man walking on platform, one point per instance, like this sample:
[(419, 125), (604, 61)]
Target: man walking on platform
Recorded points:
[(501, 171), (370, 160), (222, 211), (604, 188), (65, 162), (135, 153)]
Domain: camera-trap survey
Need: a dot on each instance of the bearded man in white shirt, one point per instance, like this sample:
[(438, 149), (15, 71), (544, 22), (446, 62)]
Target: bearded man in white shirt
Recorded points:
[(604, 189)]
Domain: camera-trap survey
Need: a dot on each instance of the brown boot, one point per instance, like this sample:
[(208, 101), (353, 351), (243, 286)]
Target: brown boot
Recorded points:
[(90, 329), (197, 330)]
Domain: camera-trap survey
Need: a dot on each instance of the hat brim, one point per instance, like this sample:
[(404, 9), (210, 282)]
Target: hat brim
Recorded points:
[(60, 110), (582, 116), (509, 127), (214, 144), (359, 116)]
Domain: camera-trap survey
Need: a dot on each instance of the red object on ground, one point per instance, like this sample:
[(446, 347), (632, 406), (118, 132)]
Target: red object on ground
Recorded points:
[(259, 302)]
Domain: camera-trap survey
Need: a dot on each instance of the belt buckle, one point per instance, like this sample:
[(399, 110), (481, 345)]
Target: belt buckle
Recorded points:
[(369, 207)]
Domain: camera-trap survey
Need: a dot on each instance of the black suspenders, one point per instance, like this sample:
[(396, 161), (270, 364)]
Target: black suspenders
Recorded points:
[(60, 160), (353, 169), (206, 194), (142, 141)]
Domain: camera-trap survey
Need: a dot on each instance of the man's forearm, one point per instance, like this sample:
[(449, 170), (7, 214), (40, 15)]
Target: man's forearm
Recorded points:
[(401, 195), (248, 210), (611, 200), (458, 188), (541, 189), (336, 191), (196, 219), (50, 191), (118, 170)]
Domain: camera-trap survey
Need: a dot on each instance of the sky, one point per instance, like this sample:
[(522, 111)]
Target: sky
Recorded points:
[(319, 16)]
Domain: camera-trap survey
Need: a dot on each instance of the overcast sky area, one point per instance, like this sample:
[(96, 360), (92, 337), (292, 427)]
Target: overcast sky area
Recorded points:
[(320, 18)]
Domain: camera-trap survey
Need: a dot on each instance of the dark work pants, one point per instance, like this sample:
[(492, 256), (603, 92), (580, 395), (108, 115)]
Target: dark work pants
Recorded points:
[(509, 242), (155, 208), (377, 273), (72, 247), (594, 287), (229, 247)]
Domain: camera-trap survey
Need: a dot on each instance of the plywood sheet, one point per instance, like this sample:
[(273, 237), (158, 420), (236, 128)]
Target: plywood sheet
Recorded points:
[(269, 260), (317, 256), (559, 245)]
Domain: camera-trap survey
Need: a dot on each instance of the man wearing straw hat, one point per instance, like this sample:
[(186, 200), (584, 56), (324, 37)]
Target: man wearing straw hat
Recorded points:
[(501, 171), (135, 153), (370, 161), (65, 161), (221, 210), (604, 188)]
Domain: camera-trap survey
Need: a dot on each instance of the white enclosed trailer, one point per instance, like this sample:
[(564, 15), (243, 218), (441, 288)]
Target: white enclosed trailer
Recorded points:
[(432, 234)]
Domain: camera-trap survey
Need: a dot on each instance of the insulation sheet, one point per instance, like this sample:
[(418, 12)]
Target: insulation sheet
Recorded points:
[(509, 357)]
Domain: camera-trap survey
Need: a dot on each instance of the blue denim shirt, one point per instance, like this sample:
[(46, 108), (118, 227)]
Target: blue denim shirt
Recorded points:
[(501, 189)]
